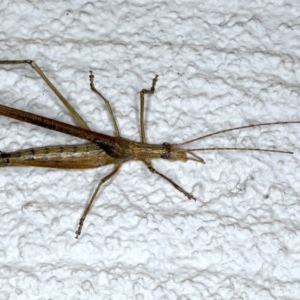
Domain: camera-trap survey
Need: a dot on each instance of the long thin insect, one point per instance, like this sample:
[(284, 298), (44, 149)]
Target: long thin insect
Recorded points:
[(108, 141), (104, 149)]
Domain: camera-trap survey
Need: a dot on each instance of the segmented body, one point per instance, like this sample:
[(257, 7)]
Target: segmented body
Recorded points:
[(88, 155), (102, 149)]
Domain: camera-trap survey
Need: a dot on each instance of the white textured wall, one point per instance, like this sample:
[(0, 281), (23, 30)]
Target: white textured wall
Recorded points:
[(221, 64)]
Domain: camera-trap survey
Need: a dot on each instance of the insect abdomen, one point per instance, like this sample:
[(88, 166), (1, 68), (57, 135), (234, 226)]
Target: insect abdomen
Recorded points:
[(83, 156)]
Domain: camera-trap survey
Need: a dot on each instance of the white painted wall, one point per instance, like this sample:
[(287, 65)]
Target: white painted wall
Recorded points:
[(221, 64)]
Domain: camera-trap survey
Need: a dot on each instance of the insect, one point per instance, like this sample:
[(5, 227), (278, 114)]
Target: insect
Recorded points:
[(102, 149)]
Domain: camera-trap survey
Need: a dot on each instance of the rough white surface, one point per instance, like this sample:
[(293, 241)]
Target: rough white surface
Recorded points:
[(221, 64)]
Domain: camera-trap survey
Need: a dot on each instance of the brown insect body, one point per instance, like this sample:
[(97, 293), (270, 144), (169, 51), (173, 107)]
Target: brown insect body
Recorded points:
[(103, 149), (89, 155)]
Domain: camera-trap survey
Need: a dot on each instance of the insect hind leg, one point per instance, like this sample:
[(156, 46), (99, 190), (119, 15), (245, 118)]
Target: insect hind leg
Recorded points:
[(77, 118)]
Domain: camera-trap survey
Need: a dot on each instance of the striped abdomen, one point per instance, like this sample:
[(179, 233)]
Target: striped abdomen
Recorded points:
[(82, 156)]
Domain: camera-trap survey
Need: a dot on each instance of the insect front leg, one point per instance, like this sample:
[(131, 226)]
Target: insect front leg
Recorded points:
[(78, 119), (176, 186), (92, 199)]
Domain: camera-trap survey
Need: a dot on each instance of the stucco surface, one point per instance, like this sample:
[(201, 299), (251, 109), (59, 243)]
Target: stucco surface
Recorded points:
[(220, 64)]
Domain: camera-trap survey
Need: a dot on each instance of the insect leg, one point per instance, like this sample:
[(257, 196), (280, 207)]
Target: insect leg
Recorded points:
[(176, 186), (142, 106), (116, 128), (78, 119), (92, 199)]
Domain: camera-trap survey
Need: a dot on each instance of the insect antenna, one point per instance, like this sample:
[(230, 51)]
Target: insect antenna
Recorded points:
[(199, 159), (189, 151), (235, 129)]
